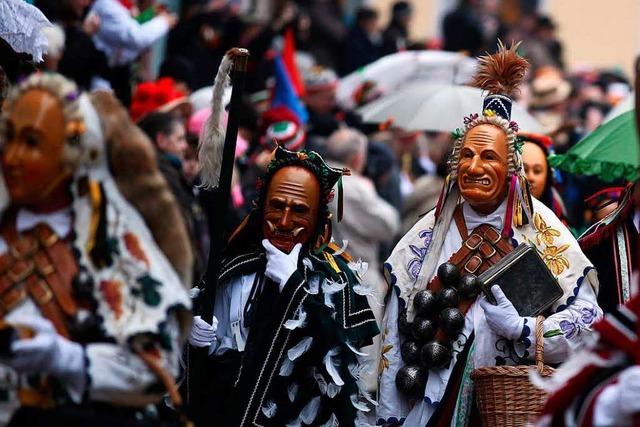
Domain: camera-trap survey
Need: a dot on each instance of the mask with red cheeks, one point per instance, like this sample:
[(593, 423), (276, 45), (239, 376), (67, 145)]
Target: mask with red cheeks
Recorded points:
[(483, 167), (291, 208)]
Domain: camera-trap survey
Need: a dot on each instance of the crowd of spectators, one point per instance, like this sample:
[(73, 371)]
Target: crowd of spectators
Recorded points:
[(161, 64)]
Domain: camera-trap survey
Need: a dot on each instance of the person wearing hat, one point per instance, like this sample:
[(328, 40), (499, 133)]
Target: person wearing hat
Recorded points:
[(291, 310), (437, 329), (535, 152), (395, 37), (611, 243), (162, 95), (549, 97), (320, 99)]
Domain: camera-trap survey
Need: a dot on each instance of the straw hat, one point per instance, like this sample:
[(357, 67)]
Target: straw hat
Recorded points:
[(549, 88)]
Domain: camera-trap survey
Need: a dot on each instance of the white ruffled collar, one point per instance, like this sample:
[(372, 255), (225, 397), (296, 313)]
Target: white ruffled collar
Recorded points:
[(474, 219)]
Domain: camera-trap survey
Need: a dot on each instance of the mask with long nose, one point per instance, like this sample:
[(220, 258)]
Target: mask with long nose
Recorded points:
[(291, 208), (483, 167)]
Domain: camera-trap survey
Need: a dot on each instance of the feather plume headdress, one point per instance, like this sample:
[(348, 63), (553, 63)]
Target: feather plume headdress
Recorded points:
[(499, 74)]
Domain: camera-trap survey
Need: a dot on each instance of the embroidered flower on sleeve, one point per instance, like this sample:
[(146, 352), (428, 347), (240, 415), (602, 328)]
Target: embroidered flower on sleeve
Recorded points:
[(569, 329), (555, 260), (545, 234), (415, 264)]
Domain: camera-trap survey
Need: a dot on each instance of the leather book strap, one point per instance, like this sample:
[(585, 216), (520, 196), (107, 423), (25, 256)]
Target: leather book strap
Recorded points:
[(481, 249)]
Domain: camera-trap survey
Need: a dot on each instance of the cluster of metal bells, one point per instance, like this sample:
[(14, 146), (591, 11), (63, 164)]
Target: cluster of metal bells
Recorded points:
[(420, 351)]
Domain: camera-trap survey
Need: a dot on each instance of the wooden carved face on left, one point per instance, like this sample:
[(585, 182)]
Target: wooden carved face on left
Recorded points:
[(32, 157), (291, 208), (483, 167)]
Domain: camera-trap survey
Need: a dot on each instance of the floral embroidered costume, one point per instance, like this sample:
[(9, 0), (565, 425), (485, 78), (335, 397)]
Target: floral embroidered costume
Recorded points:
[(485, 210), (98, 312), (291, 311)]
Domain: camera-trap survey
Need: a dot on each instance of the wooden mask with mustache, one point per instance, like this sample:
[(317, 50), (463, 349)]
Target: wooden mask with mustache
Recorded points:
[(291, 208)]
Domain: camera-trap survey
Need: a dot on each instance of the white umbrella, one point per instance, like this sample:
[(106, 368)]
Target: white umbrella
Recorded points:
[(436, 107), (627, 104), (396, 70), (21, 27)]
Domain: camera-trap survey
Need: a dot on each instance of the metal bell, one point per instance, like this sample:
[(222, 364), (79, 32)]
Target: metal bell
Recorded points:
[(447, 297), (452, 322), (424, 303), (423, 329), (434, 355), (449, 274), (469, 286), (411, 380), (410, 352), (403, 324)]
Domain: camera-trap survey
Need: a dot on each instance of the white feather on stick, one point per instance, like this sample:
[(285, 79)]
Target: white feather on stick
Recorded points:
[(300, 348), (212, 135)]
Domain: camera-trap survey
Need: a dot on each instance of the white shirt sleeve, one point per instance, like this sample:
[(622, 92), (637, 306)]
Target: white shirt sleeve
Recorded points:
[(229, 310), (118, 29), (568, 330)]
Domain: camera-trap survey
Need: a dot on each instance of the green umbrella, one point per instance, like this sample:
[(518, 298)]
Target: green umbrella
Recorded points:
[(610, 152)]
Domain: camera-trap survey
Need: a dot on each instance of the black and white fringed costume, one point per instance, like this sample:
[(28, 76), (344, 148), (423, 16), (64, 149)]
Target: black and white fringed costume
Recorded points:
[(289, 355)]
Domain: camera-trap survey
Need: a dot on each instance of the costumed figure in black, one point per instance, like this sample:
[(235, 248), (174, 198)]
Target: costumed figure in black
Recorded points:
[(291, 312), (612, 245)]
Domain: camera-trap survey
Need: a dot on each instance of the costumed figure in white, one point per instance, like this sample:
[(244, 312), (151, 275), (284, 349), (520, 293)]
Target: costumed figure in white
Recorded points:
[(437, 328), (93, 314)]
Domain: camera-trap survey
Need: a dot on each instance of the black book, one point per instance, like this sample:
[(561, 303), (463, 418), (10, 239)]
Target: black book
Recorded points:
[(525, 280)]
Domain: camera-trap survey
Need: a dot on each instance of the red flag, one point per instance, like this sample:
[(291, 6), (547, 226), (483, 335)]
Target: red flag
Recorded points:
[(289, 59)]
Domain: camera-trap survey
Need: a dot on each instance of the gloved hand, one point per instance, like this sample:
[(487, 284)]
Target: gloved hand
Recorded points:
[(202, 334), (281, 266), (630, 387), (48, 352), (503, 319), (619, 403)]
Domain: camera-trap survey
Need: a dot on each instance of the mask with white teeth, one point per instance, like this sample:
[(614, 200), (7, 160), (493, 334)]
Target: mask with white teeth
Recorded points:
[(291, 208)]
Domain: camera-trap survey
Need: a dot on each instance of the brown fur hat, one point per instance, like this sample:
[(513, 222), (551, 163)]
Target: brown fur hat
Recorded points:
[(133, 164)]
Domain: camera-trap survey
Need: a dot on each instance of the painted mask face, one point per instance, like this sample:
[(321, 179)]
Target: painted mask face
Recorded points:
[(535, 168), (32, 156), (483, 167), (291, 208)]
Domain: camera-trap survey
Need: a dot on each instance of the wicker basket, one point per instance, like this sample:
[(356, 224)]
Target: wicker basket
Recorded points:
[(505, 396)]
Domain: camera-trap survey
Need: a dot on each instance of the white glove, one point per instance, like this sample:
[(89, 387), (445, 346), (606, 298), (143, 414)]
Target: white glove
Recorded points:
[(281, 266), (503, 318), (619, 402), (630, 391), (202, 334), (50, 353)]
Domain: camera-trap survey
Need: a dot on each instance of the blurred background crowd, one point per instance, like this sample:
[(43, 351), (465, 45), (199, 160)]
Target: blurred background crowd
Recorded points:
[(323, 75)]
